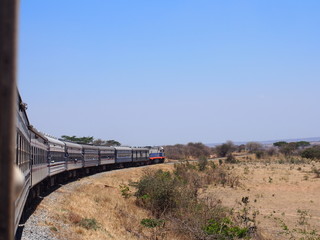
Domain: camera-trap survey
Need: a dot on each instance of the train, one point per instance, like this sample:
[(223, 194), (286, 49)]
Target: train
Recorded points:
[(45, 161)]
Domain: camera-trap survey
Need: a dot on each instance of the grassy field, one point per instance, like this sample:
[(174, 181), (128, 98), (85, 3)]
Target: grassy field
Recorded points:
[(283, 199)]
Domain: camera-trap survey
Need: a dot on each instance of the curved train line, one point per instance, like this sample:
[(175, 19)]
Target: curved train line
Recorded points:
[(45, 161)]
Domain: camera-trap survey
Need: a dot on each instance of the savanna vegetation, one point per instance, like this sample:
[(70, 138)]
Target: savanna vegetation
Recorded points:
[(191, 151), (174, 201), (90, 140), (249, 191)]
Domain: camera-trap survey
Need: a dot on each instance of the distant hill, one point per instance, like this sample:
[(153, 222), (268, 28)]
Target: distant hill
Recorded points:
[(314, 140)]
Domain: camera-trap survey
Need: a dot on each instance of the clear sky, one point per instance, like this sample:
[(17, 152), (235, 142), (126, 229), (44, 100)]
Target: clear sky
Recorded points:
[(171, 71)]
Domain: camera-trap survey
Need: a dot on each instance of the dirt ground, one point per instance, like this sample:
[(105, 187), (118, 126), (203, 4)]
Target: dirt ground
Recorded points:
[(284, 197)]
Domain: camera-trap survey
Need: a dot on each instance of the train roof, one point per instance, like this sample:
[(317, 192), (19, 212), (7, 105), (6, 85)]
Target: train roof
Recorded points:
[(140, 149), (37, 133), (123, 148), (87, 146), (72, 144), (105, 148), (54, 141)]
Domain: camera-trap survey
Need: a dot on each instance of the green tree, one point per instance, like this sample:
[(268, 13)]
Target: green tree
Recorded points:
[(279, 144), (303, 144), (84, 140), (99, 142), (289, 148), (112, 143), (312, 152)]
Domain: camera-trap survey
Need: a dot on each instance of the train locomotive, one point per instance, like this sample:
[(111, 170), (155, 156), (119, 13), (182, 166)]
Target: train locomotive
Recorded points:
[(45, 161)]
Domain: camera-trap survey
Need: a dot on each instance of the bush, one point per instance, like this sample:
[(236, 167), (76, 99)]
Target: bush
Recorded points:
[(173, 197), (189, 151), (316, 171), (151, 222), (311, 153), (259, 154), (225, 149), (89, 223), (231, 159), (225, 228), (202, 164), (156, 191)]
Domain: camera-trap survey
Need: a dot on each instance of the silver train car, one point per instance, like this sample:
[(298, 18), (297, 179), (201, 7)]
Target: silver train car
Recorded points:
[(46, 161), (22, 157), (39, 156), (74, 158)]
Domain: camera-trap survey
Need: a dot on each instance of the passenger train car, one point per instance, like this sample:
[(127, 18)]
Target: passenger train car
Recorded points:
[(22, 157), (46, 161)]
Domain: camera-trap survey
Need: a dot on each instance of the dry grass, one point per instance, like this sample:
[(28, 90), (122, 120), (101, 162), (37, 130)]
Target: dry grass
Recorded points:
[(286, 198), (100, 198), (282, 195)]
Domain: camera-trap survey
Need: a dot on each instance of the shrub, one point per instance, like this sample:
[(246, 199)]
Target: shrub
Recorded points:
[(259, 154), (74, 218), (231, 159), (311, 153), (225, 228), (156, 191), (316, 171), (89, 223), (151, 222), (225, 149), (253, 147), (271, 151), (189, 151), (174, 198), (202, 164), (125, 191)]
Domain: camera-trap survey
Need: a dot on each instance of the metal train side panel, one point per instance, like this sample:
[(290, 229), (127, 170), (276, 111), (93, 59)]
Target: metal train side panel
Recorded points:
[(140, 154), (123, 154), (107, 155), (56, 156), (22, 157), (90, 155), (74, 155), (39, 157)]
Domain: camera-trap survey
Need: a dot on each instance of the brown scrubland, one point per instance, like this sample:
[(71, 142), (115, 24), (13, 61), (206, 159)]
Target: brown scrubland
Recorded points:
[(238, 197)]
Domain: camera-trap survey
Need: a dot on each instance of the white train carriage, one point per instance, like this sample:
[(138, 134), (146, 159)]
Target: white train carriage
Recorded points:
[(74, 155), (123, 154), (39, 156), (107, 155), (56, 156), (90, 155), (22, 158), (140, 155)]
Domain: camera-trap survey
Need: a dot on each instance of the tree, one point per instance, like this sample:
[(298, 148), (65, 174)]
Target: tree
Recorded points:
[(288, 148), (312, 152), (84, 140), (303, 144), (254, 146), (241, 148), (110, 143), (225, 148), (196, 150), (90, 140), (279, 144), (99, 142)]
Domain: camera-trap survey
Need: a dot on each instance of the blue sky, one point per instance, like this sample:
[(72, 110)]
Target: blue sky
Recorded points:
[(166, 72)]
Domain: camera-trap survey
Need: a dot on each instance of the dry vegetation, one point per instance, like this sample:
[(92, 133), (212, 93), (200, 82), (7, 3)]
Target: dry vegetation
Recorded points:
[(280, 196)]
